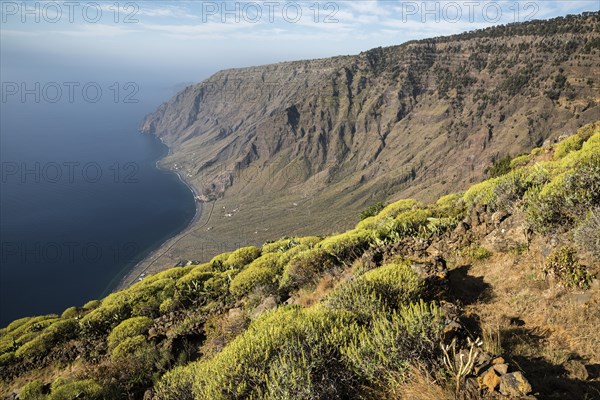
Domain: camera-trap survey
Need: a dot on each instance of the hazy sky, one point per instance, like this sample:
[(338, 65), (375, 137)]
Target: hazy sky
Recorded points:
[(166, 43)]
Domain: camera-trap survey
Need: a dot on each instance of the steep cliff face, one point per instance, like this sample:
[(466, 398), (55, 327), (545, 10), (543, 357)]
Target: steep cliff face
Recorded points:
[(419, 119)]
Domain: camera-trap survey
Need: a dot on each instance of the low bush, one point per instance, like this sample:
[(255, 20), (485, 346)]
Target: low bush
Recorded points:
[(335, 251), (285, 347), (448, 206), (69, 390), (34, 390), (199, 287), (59, 332), (129, 328), (568, 198), (563, 264), (108, 315), (280, 246), (304, 268), (264, 271), (412, 222), (389, 212), (587, 234), (91, 305), (71, 312), (241, 257), (476, 252), (500, 167), (372, 210), (7, 358), (219, 261), (357, 296), (520, 161), (480, 193), (381, 353), (568, 145), (134, 346), (395, 284)]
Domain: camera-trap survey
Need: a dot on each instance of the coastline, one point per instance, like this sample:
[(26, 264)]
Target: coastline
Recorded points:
[(139, 270)]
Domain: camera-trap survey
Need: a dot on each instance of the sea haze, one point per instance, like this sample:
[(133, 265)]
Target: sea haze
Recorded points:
[(81, 200)]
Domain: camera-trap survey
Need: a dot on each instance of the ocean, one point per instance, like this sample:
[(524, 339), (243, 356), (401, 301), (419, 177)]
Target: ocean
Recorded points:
[(81, 200)]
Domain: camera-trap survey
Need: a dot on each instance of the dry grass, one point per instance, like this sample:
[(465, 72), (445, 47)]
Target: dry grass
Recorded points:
[(308, 297), (420, 385), (536, 323)]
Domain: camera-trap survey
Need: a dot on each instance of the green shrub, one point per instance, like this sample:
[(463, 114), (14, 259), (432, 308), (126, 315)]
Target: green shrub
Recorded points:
[(476, 252), (304, 268), (110, 313), (30, 324), (34, 390), (347, 246), (379, 290), (92, 304), (568, 198), (520, 161), (357, 296), (286, 244), (397, 207), (71, 312), (191, 289), (334, 251), (7, 358), (389, 212), (372, 210), (254, 364), (59, 332), (587, 234), (15, 324), (219, 261), (69, 390), (500, 167), (480, 193), (380, 353), (241, 257), (132, 346), (167, 306), (563, 264), (310, 241), (395, 284), (449, 206), (280, 246), (264, 271), (411, 223), (130, 327), (589, 130), (568, 145)]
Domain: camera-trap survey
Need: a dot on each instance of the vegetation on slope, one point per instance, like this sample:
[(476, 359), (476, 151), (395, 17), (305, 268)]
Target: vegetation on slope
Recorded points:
[(368, 313)]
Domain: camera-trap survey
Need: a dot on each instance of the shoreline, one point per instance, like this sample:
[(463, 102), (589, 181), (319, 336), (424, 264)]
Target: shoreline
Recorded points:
[(139, 269)]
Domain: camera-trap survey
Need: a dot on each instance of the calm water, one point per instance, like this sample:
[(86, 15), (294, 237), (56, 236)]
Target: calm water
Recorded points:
[(81, 202)]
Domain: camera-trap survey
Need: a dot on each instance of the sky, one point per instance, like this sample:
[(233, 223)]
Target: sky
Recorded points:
[(170, 43)]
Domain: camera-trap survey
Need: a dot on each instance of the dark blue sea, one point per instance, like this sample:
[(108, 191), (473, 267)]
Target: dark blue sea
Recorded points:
[(81, 200)]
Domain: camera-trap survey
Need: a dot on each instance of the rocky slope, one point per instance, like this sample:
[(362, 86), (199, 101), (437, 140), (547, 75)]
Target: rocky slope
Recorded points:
[(488, 294), (297, 147)]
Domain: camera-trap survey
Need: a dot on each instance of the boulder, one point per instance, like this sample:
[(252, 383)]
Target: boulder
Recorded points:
[(501, 368), (489, 380), (514, 384), (576, 370), (267, 304)]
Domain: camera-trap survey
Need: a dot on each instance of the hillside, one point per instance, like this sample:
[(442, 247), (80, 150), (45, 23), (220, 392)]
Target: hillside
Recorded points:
[(300, 147), (490, 293)]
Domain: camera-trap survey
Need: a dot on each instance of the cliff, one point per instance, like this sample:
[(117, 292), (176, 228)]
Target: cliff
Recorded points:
[(298, 147)]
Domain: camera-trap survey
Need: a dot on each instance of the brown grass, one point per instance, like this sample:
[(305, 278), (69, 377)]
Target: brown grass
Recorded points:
[(420, 385)]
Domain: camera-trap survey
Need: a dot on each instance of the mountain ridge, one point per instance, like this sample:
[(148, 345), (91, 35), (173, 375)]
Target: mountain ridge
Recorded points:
[(314, 141)]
